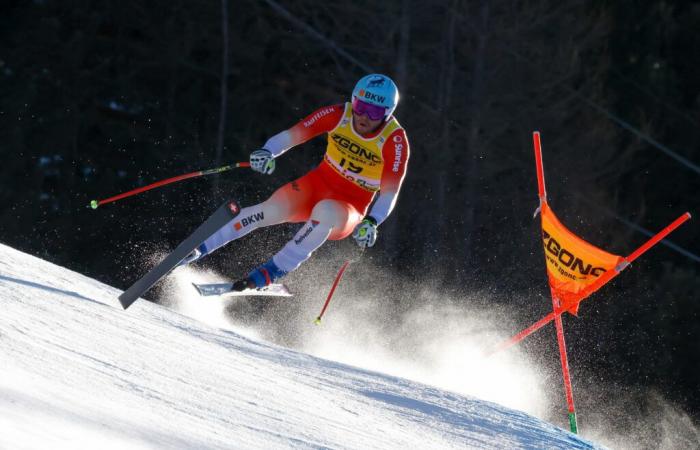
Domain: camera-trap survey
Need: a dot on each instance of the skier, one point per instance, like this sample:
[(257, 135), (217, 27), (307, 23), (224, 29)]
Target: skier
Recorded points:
[(367, 153)]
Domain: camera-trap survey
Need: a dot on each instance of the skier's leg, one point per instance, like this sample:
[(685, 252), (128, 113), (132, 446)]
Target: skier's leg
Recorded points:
[(269, 212), (327, 217), (287, 204)]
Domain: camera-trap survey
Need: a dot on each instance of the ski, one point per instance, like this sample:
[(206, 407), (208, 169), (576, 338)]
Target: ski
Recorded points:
[(221, 217), (224, 289)]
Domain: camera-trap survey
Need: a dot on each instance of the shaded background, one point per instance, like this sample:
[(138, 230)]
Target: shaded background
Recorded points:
[(99, 97)]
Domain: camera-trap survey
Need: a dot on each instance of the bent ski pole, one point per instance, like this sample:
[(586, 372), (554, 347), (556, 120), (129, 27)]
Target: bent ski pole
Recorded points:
[(94, 204), (335, 284)]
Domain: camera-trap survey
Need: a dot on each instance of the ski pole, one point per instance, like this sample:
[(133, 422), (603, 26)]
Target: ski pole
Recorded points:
[(335, 284), (95, 203)]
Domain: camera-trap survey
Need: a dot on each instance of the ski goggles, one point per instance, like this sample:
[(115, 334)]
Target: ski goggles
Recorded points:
[(374, 112)]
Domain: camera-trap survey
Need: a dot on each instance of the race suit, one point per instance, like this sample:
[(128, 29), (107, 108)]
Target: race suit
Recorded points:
[(334, 197)]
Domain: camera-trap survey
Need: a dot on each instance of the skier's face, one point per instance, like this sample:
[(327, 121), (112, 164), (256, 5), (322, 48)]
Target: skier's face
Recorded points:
[(366, 117), (363, 124)]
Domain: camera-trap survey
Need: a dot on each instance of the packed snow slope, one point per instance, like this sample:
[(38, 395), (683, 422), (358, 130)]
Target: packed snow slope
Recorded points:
[(77, 371)]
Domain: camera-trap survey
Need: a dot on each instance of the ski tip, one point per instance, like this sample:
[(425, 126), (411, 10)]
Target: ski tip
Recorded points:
[(196, 286), (94, 204), (317, 321)]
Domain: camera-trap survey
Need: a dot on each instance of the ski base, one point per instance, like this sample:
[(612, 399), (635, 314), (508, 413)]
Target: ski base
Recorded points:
[(224, 289)]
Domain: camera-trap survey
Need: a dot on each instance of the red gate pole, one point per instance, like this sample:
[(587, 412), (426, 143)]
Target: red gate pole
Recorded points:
[(523, 334), (565, 365), (556, 304), (541, 189)]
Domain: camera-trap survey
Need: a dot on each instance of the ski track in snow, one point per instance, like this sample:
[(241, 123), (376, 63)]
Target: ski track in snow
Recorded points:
[(78, 372)]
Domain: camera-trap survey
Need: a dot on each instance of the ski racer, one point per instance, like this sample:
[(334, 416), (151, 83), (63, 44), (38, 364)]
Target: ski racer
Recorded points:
[(366, 156)]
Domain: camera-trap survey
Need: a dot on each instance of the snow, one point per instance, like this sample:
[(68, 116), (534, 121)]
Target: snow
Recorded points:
[(77, 371)]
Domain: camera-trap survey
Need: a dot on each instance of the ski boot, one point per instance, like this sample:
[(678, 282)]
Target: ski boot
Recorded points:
[(263, 276), (242, 285)]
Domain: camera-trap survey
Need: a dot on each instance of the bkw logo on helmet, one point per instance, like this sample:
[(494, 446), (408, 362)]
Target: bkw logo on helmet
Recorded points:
[(377, 99)]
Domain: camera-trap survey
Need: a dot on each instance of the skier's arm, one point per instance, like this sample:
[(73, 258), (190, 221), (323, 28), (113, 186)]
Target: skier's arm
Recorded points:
[(318, 122), (395, 153)]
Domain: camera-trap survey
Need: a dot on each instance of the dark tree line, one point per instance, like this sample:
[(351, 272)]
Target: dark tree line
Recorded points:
[(98, 97)]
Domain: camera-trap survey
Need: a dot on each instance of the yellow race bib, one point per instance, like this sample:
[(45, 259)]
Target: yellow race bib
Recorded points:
[(355, 158)]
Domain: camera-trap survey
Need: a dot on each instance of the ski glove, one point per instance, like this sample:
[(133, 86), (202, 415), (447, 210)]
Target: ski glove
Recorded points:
[(366, 232), (262, 161)]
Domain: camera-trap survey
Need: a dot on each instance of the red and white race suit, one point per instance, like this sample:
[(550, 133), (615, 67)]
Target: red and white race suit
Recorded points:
[(334, 197)]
